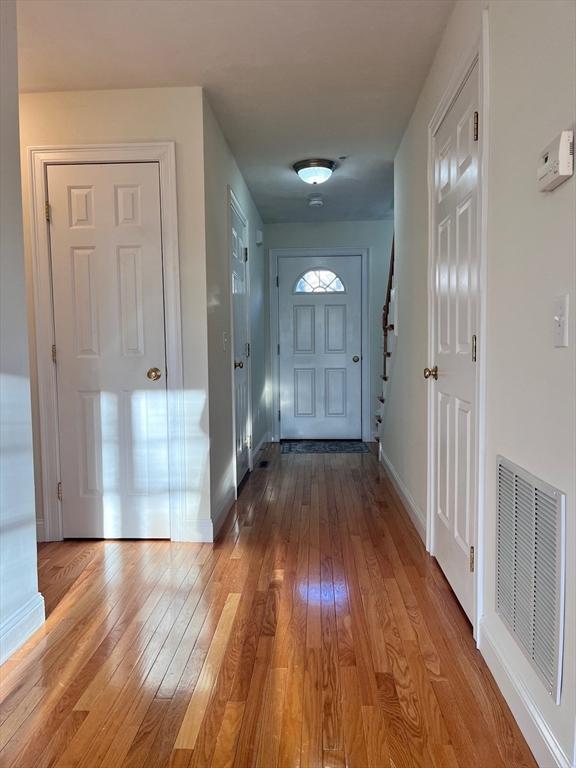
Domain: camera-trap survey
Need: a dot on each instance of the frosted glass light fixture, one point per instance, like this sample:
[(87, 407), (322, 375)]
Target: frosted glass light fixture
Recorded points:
[(314, 171)]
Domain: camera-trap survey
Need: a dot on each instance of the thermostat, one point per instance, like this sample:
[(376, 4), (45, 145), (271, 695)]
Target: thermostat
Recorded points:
[(556, 162)]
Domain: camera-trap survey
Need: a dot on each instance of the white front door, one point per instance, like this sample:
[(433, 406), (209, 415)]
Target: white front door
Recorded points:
[(455, 311), (238, 255), (320, 331), (106, 250)]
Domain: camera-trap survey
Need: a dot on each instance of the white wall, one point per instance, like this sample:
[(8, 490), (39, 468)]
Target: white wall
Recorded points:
[(21, 606), (204, 169), (148, 114), (374, 235), (221, 173), (531, 387)]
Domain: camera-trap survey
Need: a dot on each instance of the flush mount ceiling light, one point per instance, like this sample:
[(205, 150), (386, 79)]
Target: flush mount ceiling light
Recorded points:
[(314, 171)]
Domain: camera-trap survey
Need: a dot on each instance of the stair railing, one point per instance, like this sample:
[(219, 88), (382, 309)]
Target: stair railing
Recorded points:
[(387, 328)]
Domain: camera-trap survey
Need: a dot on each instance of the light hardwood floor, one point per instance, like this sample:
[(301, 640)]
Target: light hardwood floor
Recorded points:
[(316, 632)]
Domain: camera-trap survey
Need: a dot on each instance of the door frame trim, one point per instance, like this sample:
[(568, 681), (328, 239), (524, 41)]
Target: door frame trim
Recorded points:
[(278, 253), (477, 55), (234, 203), (39, 158)]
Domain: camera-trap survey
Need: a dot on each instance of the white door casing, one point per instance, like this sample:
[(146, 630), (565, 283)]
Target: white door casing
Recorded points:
[(320, 338), (106, 248), (238, 240), (185, 525), (454, 317)]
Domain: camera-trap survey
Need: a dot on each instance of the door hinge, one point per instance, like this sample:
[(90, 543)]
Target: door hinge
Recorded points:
[(53, 353), (278, 414), (247, 349), (59, 491), (278, 348), (249, 442), (472, 560), (47, 210), (475, 126), (474, 348), (245, 254), (277, 282)]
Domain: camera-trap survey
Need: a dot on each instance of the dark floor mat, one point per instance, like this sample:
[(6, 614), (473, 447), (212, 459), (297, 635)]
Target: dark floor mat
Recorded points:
[(324, 446)]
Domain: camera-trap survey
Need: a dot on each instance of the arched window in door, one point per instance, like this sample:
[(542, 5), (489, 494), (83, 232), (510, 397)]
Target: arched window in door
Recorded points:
[(319, 281)]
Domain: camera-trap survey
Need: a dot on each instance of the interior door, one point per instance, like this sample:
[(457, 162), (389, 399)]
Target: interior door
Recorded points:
[(455, 313), (238, 256), (106, 250), (320, 331)]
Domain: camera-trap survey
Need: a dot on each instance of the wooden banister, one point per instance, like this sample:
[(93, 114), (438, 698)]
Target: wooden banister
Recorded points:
[(386, 325)]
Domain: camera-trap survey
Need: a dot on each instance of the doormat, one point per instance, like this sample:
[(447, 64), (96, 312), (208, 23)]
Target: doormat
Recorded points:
[(323, 446)]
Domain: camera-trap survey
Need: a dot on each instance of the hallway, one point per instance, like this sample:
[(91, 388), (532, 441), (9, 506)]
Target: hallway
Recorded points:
[(316, 632)]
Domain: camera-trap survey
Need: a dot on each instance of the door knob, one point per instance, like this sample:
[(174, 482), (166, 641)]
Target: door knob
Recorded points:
[(154, 374), (355, 359), (238, 365), (431, 373)]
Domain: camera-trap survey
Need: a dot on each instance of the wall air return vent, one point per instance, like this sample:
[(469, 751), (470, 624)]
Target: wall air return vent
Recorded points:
[(530, 568)]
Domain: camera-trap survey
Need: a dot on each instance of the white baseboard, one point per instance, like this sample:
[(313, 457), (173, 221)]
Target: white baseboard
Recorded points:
[(541, 740), (16, 629), (416, 515), (196, 531), (222, 513), (265, 439)]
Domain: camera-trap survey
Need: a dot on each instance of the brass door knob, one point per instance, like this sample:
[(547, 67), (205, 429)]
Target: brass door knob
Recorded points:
[(355, 359), (238, 365), (154, 374), (431, 373)]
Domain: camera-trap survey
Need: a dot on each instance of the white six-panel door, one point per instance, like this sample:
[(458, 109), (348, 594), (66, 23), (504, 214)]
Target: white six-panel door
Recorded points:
[(238, 244), (106, 250), (320, 332), (455, 314)]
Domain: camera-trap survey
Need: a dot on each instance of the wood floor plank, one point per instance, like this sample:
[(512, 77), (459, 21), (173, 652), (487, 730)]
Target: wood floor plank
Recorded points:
[(192, 722), (316, 631), (227, 739)]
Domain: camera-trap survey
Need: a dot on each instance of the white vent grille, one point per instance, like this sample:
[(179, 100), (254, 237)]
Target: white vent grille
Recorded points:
[(530, 568)]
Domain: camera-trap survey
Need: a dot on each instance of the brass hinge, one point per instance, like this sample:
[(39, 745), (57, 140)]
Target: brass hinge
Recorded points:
[(245, 254), (247, 349), (47, 210), (475, 126), (472, 560), (53, 353), (474, 348), (59, 491)]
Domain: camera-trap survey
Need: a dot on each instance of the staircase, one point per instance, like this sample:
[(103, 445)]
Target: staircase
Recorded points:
[(387, 330)]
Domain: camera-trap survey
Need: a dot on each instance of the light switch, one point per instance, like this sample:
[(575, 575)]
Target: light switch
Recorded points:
[(561, 321)]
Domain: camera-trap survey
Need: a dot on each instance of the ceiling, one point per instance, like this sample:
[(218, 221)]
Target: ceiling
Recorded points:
[(288, 79)]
